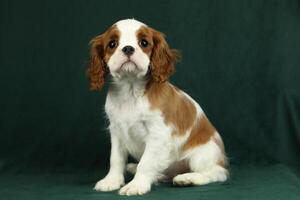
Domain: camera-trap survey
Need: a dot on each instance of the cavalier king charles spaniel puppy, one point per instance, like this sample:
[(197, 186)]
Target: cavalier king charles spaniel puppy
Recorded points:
[(159, 125)]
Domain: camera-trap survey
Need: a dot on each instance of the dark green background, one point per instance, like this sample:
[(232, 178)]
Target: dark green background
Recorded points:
[(241, 62)]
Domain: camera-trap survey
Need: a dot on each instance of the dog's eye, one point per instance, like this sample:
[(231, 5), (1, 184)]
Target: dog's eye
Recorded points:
[(112, 44), (144, 43)]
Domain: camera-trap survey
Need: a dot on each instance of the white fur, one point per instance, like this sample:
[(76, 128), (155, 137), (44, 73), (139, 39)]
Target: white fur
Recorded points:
[(141, 132)]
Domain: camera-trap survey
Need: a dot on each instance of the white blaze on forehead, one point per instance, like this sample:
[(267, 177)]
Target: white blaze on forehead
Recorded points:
[(128, 29)]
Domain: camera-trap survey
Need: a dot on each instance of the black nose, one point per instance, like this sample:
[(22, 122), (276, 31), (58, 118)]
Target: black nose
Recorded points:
[(128, 50)]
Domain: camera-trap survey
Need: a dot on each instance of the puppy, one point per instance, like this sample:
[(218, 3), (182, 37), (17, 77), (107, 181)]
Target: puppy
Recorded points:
[(156, 123)]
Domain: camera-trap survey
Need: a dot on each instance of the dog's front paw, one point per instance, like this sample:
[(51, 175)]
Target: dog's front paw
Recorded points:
[(109, 183), (135, 187)]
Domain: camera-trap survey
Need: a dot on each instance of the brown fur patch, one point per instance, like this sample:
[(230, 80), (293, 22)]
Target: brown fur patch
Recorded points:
[(176, 108), (145, 33), (162, 58), (99, 56), (201, 133)]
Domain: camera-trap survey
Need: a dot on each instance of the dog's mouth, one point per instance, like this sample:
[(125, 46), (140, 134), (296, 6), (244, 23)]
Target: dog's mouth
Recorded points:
[(128, 66)]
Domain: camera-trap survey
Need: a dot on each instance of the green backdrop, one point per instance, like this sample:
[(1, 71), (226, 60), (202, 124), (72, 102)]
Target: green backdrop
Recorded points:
[(241, 62)]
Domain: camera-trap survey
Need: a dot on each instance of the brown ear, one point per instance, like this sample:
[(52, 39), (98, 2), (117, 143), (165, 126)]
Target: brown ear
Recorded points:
[(163, 58), (97, 68)]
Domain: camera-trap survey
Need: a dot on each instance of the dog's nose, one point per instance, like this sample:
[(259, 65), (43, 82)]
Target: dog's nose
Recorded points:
[(128, 50)]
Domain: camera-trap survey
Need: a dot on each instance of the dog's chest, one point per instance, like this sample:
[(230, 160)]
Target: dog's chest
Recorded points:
[(130, 116), (127, 111)]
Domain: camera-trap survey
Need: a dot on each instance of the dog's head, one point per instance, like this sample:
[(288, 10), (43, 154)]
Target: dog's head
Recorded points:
[(130, 47)]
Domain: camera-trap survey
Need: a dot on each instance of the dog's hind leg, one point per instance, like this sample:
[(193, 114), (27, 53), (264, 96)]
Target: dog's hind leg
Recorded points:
[(207, 165), (131, 168)]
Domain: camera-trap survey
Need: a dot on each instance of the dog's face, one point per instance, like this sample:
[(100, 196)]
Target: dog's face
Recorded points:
[(130, 47)]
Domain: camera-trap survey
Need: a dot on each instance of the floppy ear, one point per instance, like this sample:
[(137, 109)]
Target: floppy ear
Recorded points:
[(97, 68), (162, 59)]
